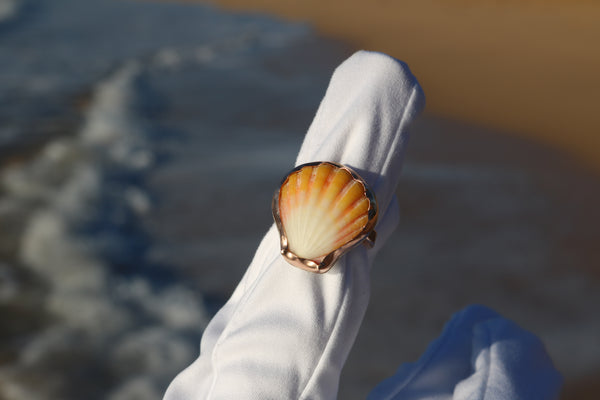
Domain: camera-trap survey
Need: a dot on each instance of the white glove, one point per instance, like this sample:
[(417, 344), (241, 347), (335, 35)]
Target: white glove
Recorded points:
[(285, 333)]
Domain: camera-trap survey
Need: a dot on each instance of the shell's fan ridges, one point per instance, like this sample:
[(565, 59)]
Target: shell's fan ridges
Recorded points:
[(322, 207)]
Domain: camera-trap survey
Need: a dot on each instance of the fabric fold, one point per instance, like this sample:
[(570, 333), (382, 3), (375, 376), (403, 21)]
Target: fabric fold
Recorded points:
[(479, 356)]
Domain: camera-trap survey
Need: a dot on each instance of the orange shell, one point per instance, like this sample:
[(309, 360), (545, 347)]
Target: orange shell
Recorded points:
[(323, 206)]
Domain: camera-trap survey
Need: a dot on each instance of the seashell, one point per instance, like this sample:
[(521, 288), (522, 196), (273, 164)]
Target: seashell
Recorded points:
[(322, 210)]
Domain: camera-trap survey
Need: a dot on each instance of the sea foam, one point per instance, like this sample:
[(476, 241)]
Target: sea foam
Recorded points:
[(9, 9), (84, 193)]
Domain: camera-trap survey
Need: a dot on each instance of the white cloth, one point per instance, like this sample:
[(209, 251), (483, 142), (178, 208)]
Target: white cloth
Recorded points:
[(479, 356), (285, 333)]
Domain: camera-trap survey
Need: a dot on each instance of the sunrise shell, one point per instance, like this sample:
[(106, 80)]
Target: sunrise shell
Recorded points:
[(322, 207)]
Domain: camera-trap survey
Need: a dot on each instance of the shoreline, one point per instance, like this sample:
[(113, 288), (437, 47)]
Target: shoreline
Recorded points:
[(525, 69)]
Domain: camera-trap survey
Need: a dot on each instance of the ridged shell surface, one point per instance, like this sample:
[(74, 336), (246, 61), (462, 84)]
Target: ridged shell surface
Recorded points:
[(322, 207)]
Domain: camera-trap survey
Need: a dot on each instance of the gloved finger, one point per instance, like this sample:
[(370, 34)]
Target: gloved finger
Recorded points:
[(362, 121), (286, 333)]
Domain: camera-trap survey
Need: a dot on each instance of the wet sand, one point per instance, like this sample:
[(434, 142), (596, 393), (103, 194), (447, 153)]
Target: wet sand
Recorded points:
[(529, 68)]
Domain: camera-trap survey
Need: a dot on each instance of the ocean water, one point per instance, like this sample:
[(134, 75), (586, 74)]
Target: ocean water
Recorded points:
[(124, 127), (140, 144)]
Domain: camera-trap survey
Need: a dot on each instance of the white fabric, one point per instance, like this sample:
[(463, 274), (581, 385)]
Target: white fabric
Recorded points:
[(479, 356), (285, 333)]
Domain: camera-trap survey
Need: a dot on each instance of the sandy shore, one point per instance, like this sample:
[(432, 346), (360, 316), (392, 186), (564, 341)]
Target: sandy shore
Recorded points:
[(531, 69)]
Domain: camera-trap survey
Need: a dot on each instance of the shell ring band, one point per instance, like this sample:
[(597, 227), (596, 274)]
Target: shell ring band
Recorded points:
[(322, 210)]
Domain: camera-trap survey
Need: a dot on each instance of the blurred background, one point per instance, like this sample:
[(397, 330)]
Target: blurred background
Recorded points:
[(130, 130)]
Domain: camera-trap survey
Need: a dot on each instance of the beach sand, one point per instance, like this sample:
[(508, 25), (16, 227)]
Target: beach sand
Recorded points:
[(530, 68)]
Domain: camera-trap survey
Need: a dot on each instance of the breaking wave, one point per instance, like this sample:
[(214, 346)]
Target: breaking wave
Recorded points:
[(82, 239)]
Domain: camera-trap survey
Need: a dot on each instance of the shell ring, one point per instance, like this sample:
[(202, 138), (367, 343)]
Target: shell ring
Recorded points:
[(322, 210)]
